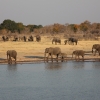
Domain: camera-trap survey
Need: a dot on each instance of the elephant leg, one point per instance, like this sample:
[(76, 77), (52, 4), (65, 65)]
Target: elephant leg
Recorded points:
[(62, 59), (48, 57), (95, 52), (9, 60), (99, 52), (83, 58), (79, 57), (51, 57), (15, 60), (76, 57), (57, 58)]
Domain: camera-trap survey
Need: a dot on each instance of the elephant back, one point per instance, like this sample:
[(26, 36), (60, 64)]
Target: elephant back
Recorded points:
[(78, 52), (56, 50), (96, 46), (12, 53)]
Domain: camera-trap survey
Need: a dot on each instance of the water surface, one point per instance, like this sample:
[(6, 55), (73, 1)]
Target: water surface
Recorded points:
[(50, 81)]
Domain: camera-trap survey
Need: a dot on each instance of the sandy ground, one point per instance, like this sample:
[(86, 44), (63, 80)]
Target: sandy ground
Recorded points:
[(34, 51)]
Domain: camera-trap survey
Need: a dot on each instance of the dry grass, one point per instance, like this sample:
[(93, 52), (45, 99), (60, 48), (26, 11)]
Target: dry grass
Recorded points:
[(29, 51)]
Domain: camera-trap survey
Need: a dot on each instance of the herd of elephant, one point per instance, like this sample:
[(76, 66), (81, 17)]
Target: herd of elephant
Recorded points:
[(24, 38), (57, 52), (38, 39), (70, 40)]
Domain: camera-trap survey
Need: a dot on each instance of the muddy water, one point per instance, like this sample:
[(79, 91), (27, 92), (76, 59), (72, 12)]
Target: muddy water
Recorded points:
[(50, 81)]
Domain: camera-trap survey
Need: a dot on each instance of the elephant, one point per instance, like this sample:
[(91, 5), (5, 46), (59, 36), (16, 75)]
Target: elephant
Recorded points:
[(11, 54), (96, 47), (98, 50), (31, 38), (65, 42), (63, 56), (5, 38), (52, 51), (24, 37), (38, 38), (72, 40), (15, 38), (56, 40), (78, 53)]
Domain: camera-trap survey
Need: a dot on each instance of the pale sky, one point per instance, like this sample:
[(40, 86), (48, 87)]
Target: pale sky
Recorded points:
[(48, 12)]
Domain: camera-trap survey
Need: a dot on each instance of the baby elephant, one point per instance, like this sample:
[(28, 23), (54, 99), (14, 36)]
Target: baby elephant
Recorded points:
[(11, 54), (78, 53), (63, 56)]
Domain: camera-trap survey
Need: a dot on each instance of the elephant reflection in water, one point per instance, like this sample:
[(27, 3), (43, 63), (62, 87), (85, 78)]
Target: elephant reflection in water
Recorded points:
[(53, 66)]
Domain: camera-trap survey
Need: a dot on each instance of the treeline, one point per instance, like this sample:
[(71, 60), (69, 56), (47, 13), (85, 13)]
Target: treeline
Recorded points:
[(84, 27), (13, 27)]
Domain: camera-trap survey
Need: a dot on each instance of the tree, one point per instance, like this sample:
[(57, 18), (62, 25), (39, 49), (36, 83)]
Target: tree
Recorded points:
[(74, 27), (20, 27), (9, 25), (58, 28), (32, 27), (98, 26), (85, 26)]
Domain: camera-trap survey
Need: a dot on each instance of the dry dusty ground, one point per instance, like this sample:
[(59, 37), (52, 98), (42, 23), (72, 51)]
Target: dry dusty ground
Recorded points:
[(34, 51)]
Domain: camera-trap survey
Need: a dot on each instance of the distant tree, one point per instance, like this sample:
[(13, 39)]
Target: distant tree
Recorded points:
[(40, 26), (73, 27), (58, 28), (98, 26), (32, 27), (20, 27), (9, 25), (85, 26)]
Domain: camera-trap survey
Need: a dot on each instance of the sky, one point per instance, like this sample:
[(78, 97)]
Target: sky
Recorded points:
[(48, 12)]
